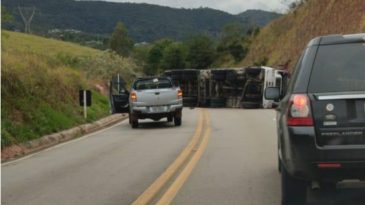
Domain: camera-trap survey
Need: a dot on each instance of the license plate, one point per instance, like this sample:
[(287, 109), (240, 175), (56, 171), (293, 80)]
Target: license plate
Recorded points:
[(158, 109)]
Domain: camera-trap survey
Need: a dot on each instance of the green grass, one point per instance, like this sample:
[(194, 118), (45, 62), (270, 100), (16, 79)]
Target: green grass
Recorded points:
[(41, 79), (39, 45)]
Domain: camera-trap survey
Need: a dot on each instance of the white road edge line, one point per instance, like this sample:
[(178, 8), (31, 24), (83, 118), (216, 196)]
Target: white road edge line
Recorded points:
[(61, 144)]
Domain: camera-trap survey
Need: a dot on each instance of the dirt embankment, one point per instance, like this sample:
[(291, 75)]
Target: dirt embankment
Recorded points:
[(282, 41)]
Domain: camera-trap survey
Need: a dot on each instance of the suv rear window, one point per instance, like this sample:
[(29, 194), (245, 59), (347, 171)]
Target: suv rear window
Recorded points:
[(153, 83), (339, 68)]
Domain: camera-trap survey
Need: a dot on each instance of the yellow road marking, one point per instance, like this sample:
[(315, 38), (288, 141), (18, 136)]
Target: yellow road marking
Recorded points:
[(171, 192), (156, 186)]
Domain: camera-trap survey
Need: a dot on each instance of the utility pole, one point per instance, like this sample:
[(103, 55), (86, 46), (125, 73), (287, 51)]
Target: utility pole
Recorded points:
[(27, 16)]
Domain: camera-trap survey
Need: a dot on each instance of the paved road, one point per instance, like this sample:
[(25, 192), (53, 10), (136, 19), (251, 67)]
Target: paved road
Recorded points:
[(239, 165), (116, 165), (112, 167)]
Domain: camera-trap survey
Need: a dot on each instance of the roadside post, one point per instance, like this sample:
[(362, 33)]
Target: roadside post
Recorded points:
[(118, 83), (85, 100)]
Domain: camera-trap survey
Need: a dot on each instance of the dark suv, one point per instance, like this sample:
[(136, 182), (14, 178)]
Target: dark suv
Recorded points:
[(321, 120)]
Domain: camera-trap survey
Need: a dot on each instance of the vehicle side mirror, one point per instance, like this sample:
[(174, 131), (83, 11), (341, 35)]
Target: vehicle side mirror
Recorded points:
[(272, 93)]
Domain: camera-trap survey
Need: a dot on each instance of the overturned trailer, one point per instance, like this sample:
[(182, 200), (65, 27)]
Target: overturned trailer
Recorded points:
[(225, 85), (236, 88), (252, 95), (189, 82)]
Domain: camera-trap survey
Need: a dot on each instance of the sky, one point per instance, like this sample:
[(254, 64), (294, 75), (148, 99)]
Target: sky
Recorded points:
[(230, 6)]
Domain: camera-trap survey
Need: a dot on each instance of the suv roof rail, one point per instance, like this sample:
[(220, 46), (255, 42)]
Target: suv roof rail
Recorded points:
[(338, 39)]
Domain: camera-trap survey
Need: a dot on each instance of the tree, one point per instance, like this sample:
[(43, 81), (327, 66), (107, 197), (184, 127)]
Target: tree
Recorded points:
[(261, 62), (293, 4), (201, 51), (120, 42), (232, 31), (155, 56), (237, 51), (153, 61), (254, 31), (233, 41), (6, 16), (140, 53), (174, 56)]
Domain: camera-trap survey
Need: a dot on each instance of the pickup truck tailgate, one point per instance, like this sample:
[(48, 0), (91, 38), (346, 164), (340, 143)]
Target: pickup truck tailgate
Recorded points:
[(155, 97)]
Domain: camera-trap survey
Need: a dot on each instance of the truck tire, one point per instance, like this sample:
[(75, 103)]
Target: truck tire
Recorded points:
[(217, 102), (279, 165), (190, 76), (133, 120), (231, 75), (134, 124), (177, 121), (190, 101), (248, 105), (293, 191), (219, 75)]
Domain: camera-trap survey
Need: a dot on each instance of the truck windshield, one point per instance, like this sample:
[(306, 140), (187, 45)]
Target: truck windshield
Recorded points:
[(339, 68), (153, 83)]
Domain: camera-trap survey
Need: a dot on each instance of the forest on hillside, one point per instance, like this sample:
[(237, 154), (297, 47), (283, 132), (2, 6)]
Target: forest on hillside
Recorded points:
[(145, 22)]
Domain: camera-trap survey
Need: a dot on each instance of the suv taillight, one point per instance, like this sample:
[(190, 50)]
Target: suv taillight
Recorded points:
[(299, 113), (179, 94), (133, 97)]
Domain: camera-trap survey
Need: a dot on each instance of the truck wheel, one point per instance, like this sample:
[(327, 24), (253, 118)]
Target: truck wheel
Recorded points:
[(217, 102), (134, 123), (177, 121), (293, 191), (279, 165), (190, 101), (133, 120)]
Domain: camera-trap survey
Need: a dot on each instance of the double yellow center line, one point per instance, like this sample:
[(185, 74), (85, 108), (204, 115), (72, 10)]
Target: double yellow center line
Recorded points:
[(185, 162)]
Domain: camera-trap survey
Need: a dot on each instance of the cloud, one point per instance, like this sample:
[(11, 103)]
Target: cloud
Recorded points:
[(231, 6)]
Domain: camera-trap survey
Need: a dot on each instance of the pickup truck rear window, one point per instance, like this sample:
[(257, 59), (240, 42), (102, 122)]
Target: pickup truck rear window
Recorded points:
[(338, 68), (154, 83)]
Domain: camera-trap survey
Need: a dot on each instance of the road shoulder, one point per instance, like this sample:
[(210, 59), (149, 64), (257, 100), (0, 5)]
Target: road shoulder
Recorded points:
[(17, 151)]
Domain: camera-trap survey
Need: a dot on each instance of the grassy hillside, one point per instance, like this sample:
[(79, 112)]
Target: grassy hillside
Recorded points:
[(283, 40), (40, 83)]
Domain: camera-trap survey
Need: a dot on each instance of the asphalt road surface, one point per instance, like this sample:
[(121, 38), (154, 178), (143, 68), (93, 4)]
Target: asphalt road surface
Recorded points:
[(233, 162)]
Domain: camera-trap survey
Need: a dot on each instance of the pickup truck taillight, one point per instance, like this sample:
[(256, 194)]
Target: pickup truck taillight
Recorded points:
[(133, 97), (179, 94), (299, 113)]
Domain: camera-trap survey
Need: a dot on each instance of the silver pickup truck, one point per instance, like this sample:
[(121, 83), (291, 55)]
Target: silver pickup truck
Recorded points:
[(155, 98)]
